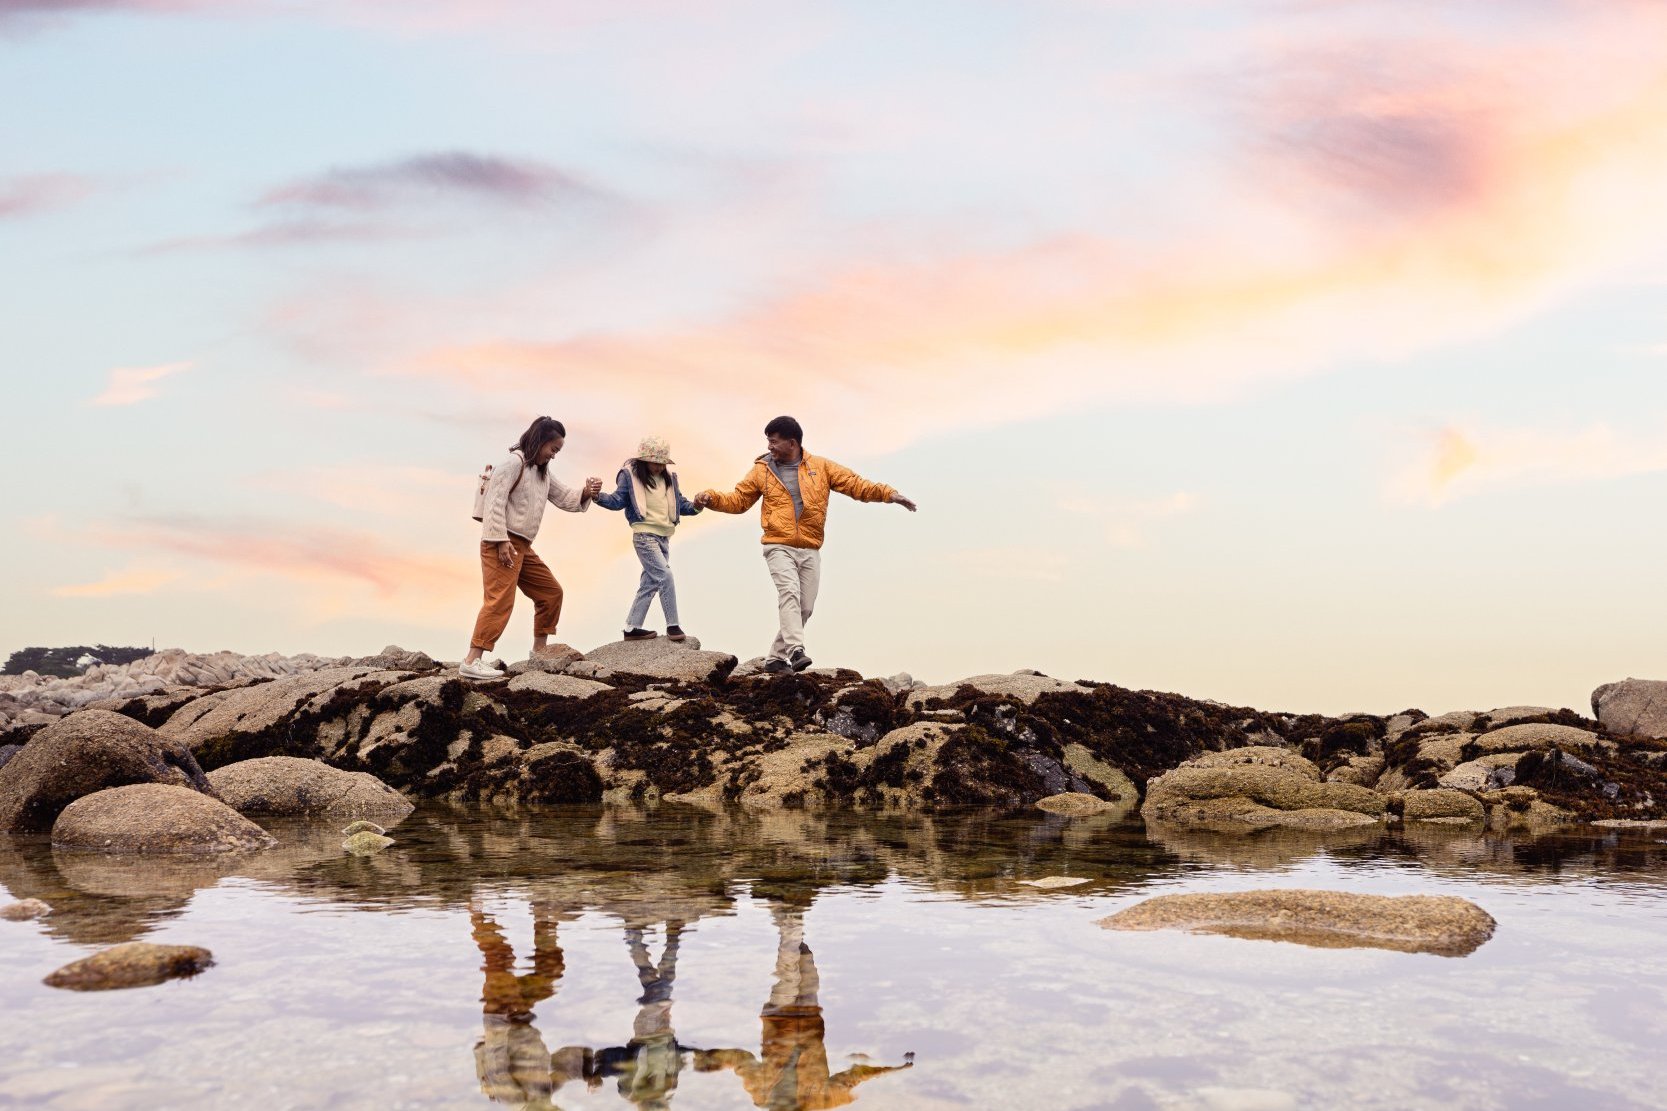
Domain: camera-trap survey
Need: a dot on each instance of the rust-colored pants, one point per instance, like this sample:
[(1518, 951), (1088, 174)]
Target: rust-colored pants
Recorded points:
[(536, 582)]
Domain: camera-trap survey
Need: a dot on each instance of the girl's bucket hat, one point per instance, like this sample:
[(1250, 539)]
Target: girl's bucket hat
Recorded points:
[(654, 449)]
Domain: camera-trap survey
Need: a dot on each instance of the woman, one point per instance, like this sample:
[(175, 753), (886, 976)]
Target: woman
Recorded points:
[(653, 504), (510, 512)]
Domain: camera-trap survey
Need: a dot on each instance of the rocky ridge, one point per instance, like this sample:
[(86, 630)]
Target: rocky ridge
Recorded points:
[(652, 720)]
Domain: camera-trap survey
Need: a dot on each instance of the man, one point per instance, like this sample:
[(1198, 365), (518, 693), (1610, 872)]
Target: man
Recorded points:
[(794, 486)]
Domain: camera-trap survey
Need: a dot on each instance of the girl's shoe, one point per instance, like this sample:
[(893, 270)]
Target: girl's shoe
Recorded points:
[(675, 632), (640, 634), (479, 669)]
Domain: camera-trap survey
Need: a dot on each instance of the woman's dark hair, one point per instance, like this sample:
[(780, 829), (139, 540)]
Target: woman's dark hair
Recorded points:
[(785, 427), (540, 432)]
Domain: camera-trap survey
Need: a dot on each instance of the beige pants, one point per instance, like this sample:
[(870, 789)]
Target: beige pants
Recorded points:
[(797, 572)]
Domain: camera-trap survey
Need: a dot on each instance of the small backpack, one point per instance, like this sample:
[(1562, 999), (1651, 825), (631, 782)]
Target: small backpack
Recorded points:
[(485, 481)]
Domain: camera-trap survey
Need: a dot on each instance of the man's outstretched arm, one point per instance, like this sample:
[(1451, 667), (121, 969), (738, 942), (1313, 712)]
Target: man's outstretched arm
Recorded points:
[(853, 485), (739, 500)]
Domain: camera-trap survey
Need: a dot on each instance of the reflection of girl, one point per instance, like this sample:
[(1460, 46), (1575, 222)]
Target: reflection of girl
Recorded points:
[(653, 504)]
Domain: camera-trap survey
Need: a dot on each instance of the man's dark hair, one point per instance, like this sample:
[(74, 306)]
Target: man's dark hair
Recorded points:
[(540, 432), (785, 427)]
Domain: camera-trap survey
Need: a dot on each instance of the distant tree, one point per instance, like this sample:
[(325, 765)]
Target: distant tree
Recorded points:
[(61, 661)]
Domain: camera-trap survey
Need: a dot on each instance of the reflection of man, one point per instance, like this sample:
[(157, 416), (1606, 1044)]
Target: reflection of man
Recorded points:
[(791, 1072), (794, 486), (511, 1059)]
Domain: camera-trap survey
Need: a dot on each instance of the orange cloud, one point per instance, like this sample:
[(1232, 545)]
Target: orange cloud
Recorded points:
[(1463, 462), (121, 582), (131, 385)]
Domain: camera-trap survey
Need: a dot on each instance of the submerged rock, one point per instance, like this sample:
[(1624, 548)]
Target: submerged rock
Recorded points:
[(1441, 924), (362, 827), (154, 818), (135, 964), (24, 909), (366, 843), (1049, 883), (1075, 803), (286, 787), (86, 752)]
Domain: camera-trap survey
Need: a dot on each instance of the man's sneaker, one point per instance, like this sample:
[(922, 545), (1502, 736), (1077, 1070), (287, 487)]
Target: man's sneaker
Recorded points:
[(640, 634), (675, 632), (797, 659), (777, 667), (479, 669)]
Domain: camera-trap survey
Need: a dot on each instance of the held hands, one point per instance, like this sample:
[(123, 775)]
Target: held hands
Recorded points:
[(506, 553), (703, 499), (593, 487), (899, 499)]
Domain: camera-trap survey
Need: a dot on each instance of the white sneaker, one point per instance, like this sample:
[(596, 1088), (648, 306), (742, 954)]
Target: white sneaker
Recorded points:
[(479, 669)]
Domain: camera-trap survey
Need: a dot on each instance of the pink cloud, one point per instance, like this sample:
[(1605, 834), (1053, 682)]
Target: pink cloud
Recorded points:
[(23, 196), (130, 385), (136, 581)]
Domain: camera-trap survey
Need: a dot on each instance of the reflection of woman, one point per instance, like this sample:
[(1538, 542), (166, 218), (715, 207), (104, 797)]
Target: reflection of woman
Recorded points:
[(511, 1059), (791, 1072), (648, 1065)]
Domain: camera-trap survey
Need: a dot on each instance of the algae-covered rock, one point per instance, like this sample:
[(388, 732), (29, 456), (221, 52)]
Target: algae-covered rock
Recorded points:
[(24, 909), (287, 787), (366, 843), (1075, 803), (557, 685), (1246, 790), (155, 818), (134, 964), (1535, 735), (1021, 686), (1495, 770), (1440, 804), (1442, 924), (253, 710), (83, 753)]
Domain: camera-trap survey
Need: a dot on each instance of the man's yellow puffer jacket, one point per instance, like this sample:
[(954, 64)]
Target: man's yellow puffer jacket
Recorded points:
[(816, 477)]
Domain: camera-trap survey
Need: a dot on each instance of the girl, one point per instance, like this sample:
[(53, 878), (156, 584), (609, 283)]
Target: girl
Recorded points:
[(649, 494), (510, 512)]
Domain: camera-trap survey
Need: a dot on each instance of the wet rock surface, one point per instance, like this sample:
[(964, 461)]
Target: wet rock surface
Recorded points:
[(134, 964), (86, 752), (154, 818), (23, 910), (1441, 924), (286, 787)]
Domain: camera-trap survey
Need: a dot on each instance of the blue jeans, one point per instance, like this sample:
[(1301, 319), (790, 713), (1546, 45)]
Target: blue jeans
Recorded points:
[(654, 553)]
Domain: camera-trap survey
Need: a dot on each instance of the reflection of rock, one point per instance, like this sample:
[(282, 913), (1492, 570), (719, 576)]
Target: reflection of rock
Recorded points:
[(1441, 924), (24, 909), (286, 787), (1255, 788), (365, 843), (155, 818), (1635, 706), (84, 753), (135, 964), (1074, 803)]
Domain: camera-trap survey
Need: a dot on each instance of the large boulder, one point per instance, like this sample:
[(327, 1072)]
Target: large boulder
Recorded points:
[(252, 710), (135, 964), (288, 787), (1257, 787), (154, 818), (86, 752), (1441, 924), (659, 658), (1636, 706), (1533, 736)]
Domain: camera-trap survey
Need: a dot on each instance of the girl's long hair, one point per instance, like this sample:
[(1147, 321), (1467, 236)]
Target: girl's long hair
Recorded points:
[(644, 475), (540, 432)]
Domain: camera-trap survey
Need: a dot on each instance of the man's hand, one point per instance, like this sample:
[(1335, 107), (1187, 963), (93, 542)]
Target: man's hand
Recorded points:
[(506, 553), (899, 499), (593, 486), (703, 499)]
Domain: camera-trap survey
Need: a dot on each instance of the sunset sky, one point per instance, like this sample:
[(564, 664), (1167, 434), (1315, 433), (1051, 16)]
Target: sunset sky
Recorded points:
[(1308, 355)]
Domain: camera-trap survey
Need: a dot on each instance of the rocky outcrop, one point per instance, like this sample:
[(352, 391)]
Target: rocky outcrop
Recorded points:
[(153, 818), (1440, 924), (135, 964), (1258, 787), (288, 787), (83, 753), (1636, 707), (660, 658)]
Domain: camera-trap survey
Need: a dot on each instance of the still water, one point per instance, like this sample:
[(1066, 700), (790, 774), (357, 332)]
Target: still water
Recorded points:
[(577, 957)]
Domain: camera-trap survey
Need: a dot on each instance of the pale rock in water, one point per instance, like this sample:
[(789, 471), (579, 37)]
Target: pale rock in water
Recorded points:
[(154, 818)]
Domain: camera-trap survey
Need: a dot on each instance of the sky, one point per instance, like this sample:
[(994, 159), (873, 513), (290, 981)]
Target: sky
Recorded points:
[(1302, 354)]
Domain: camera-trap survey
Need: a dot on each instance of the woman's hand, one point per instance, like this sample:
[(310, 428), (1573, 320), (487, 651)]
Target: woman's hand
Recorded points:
[(593, 487), (506, 553)]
